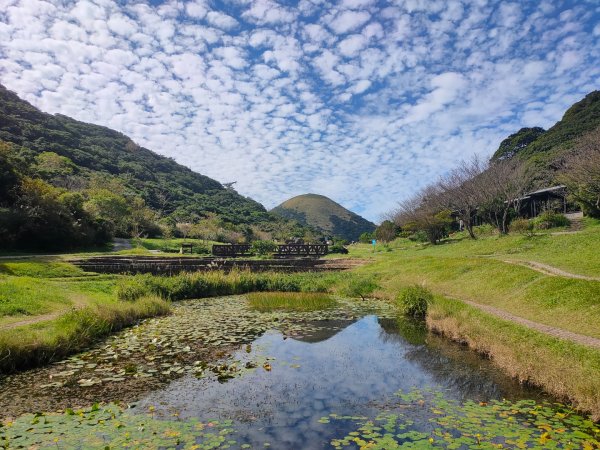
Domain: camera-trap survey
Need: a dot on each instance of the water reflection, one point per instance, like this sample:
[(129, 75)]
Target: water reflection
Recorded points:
[(343, 368)]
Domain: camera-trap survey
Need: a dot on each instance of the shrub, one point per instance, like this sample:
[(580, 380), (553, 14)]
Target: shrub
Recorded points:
[(338, 248), (413, 301), (550, 219), (522, 226), (419, 236), (263, 248)]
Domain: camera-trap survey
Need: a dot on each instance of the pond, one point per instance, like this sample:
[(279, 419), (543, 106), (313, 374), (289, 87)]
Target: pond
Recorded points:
[(222, 375)]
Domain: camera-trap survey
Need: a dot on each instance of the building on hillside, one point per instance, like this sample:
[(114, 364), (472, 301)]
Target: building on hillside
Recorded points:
[(552, 198)]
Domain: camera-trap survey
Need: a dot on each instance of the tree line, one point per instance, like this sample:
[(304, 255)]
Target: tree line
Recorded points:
[(493, 192)]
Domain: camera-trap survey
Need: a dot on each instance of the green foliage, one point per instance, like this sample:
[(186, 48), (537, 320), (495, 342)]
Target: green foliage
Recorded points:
[(358, 286), (522, 226), (338, 247), (550, 219), (366, 238), (544, 152), (414, 300), (111, 427), (290, 301), (432, 226), (516, 142), (494, 424), (386, 232), (263, 248)]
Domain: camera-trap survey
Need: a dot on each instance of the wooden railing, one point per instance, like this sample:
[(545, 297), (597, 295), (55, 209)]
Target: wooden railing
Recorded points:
[(291, 250)]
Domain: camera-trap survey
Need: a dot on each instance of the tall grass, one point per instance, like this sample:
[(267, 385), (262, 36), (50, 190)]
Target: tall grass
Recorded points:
[(45, 342), (291, 301), (210, 284)]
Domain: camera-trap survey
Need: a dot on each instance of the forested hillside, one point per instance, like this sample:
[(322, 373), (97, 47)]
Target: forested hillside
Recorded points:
[(65, 183), (160, 181), (545, 150)]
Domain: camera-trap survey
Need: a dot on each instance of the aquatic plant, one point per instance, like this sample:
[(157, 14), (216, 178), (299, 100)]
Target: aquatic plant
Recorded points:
[(455, 425), (291, 301), (109, 427)]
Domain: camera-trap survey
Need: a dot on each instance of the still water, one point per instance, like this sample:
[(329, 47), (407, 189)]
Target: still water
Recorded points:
[(349, 367)]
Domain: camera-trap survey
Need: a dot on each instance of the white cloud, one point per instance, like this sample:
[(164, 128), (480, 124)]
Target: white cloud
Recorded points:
[(287, 99), (221, 20), (349, 21), (352, 45)]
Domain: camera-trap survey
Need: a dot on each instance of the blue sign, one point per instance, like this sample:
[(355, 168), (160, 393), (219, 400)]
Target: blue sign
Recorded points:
[(374, 241)]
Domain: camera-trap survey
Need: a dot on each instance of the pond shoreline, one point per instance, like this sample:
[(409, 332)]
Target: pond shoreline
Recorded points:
[(562, 368)]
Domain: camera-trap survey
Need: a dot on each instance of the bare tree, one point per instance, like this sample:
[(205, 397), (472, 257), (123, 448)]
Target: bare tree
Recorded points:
[(422, 212), (502, 188), (460, 191), (582, 172)]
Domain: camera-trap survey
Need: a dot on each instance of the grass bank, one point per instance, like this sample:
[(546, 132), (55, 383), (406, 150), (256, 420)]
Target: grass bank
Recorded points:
[(564, 369), (43, 342), (50, 309)]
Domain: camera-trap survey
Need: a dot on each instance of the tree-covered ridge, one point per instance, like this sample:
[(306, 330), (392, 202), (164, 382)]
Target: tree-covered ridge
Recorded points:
[(162, 183), (325, 215), (544, 151)]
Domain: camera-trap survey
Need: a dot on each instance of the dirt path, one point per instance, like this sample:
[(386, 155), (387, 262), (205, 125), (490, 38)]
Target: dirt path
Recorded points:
[(79, 302), (546, 329), (550, 270)]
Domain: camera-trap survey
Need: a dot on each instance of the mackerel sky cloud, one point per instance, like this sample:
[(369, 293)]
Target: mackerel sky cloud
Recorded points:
[(360, 100)]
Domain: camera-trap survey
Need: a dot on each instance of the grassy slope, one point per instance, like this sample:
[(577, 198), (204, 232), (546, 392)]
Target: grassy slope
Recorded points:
[(474, 270)]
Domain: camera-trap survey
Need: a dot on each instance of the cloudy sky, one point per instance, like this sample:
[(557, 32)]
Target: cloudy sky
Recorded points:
[(363, 101)]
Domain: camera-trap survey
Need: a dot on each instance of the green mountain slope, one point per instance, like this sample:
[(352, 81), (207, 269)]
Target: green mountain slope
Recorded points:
[(325, 215), (543, 149), (165, 185)]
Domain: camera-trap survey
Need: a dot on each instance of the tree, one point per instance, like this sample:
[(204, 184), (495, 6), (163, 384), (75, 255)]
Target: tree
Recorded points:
[(53, 167), (386, 232), (185, 228), (366, 237), (582, 173), (142, 220), (422, 212), (111, 207), (502, 189), (460, 192), (9, 176)]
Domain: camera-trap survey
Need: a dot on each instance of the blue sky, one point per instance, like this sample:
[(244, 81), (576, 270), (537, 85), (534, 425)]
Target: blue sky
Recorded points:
[(359, 100)]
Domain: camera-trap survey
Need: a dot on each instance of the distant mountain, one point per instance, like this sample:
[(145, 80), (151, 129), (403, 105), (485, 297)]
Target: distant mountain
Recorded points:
[(165, 185), (325, 215), (544, 150)]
